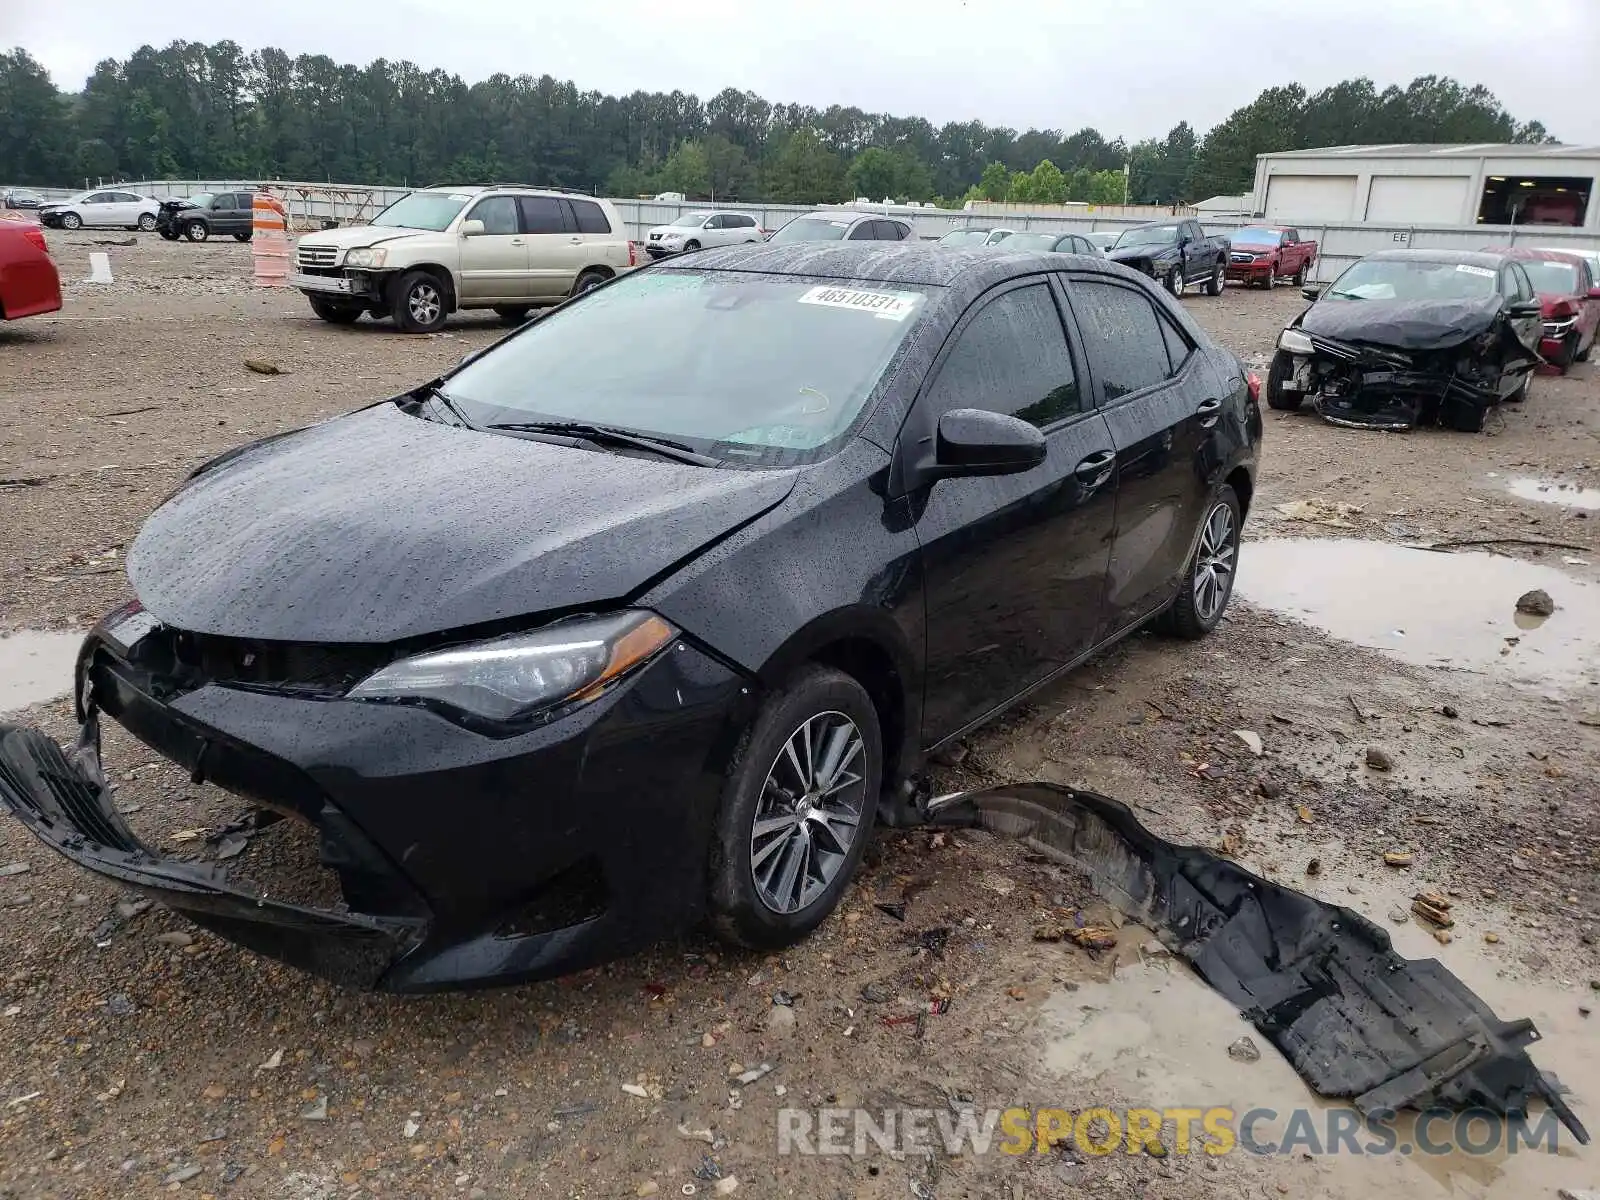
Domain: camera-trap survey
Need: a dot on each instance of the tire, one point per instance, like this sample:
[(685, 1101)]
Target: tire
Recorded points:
[(1568, 354), (196, 231), (1521, 394), (1198, 607), (1217, 282), (1271, 281), (1176, 282), (71, 220), (747, 873), (418, 302), (333, 312), (690, 245), (1282, 367), (1583, 355), (168, 235), (1300, 276), (242, 235), (587, 280), (147, 222), (511, 314), (1463, 416)]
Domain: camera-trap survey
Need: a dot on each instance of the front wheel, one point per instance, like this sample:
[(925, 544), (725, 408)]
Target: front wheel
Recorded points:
[(1277, 374), (511, 314), (1271, 281), (418, 304), (147, 222), (1567, 355), (1176, 282), (797, 810), (1217, 282), (1208, 583), (690, 245), (168, 235), (196, 231), (71, 220), (333, 312)]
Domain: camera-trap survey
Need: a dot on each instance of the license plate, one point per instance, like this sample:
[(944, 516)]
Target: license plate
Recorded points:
[(319, 283), (125, 634)]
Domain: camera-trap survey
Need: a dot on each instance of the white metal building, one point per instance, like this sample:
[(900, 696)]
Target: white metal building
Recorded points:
[(1451, 185)]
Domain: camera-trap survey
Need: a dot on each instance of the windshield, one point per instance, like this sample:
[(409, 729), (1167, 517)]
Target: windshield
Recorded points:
[(1023, 243), (201, 199), (1154, 235), (1558, 277), (1252, 236), (965, 237), (752, 369), (1411, 279), (690, 221), (813, 229), (422, 210)]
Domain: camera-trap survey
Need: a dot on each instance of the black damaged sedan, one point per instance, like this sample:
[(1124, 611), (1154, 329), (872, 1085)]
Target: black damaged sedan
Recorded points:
[(647, 613)]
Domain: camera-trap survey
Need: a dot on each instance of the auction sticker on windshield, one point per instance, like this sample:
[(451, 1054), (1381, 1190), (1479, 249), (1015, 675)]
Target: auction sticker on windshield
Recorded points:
[(892, 306), (1472, 270)]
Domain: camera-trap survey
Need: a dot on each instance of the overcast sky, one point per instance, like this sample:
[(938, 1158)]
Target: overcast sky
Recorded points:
[(1128, 67)]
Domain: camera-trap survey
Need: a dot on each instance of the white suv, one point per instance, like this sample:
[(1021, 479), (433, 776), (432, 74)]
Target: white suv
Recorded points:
[(696, 229), (444, 249)]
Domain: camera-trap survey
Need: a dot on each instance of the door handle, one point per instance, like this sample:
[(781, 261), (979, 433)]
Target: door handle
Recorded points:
[(1096, 469), (518, 242), (1208, 412), (577, 241)]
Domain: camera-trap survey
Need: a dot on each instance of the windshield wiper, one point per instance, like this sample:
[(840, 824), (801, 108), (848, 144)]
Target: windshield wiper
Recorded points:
[(607, 435), (445, 401)]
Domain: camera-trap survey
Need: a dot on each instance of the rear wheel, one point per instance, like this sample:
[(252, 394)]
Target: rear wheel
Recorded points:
[(797, 810), (418, 304), (196, 231), (511, 314), (1277, 374), (1208, 583), (147, 222), (589, 279), (1300, 276), (335, 313)]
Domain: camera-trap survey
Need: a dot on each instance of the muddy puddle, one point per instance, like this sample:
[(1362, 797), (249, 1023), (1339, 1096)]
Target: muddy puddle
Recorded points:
[(1550, 491), (36, 666), (1448, 610), (1155, 1036)]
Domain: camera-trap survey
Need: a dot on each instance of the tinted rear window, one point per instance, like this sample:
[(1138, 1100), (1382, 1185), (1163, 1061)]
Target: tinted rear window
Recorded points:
[(591, 217)]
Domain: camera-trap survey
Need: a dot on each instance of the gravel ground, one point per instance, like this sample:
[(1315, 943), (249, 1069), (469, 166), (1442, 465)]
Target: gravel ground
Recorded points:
[(139, 1055)]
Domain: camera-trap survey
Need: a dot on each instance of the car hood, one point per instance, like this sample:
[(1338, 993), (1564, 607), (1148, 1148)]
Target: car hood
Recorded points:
[(361, 236), (1402, 324), (1549, 301), (1150, 250), (379, 526), (680, 230)]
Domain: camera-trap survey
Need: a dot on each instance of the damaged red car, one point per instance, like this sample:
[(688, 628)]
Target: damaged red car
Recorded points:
[(1570, 297), (564, 650), (1412, 337)]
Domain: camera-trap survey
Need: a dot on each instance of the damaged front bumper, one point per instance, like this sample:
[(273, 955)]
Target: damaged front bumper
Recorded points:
[(460, 859), (1372, 388)]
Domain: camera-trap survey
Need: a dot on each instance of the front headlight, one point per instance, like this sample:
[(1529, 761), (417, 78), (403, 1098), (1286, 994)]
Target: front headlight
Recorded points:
[(373, 257), (1295, 342), (507, 678)]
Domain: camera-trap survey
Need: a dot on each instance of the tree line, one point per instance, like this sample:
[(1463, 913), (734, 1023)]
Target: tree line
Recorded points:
[(216, 111)]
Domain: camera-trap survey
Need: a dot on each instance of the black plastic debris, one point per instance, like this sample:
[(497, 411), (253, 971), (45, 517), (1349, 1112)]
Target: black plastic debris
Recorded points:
[(1322, 983)]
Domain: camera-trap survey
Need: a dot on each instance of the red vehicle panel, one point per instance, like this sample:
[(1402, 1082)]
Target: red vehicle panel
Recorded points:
[(1264, 254), (1569, 296), (29, 284)]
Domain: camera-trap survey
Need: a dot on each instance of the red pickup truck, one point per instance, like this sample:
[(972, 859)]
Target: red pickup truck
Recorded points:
[(1264, 254), (29, 284)]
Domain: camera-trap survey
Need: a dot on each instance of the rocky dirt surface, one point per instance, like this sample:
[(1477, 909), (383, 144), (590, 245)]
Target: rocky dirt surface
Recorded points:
[(140, 1055)]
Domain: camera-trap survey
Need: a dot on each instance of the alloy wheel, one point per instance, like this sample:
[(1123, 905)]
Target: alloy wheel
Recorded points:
[(1175, 282), (424, 304), (809, 813), (1214, 563)]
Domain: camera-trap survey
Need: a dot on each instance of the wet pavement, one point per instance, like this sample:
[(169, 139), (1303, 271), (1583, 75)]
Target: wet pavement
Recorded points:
[(1456, 610), (35, 666), (1548, 491)]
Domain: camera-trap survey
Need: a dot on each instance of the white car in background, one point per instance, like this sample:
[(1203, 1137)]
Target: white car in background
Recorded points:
[(104, 208), (696, 230)]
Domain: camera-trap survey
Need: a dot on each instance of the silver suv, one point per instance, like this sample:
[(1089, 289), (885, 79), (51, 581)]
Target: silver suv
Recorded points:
[(444, 249), (844, 225)]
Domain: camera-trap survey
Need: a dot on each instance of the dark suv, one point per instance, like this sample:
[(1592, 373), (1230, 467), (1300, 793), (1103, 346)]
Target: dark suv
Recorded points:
[(198, 217)]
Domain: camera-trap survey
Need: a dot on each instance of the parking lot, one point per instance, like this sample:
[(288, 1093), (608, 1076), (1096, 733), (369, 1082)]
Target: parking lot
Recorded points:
[(139, 1054)]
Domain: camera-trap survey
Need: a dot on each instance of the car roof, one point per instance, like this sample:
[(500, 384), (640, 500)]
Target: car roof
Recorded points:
[(835, 214), (915, 263), (1470, 258), (1540, 253)]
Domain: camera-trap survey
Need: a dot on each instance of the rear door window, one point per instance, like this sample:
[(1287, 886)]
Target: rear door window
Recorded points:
[(590, 216), (1127, 348), (864, 232), (541, 214)]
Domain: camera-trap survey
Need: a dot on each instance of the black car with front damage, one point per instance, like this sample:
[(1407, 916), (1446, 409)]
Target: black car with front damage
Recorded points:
[(1412, 337), (566, 649), (198, 217), (1178, 253)]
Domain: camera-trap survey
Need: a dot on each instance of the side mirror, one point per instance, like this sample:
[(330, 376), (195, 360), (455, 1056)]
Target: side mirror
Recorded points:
[(972, 441), (1311, 293), (472, 229), (1524, 308)]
